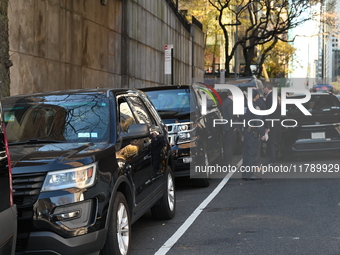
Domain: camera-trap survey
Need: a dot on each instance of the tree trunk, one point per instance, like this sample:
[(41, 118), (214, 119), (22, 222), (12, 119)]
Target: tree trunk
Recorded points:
[(226, 49), (226, 46), (5, 63), (265, 53), (248, 59), (214, 54)]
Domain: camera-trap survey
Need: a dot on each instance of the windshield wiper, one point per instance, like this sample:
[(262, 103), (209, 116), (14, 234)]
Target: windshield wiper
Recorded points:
[(183, 112), (168, 111), (36, 141)]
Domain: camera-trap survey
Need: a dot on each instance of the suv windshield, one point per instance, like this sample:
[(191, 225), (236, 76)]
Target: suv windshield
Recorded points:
[(57, 118), (177, 100)]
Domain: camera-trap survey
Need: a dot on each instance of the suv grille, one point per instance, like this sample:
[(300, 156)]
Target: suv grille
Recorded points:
[(21, 245), (27, 188), (175, 128)]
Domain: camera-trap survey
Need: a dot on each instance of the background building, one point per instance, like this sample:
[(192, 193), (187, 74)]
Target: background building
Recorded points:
[(329, 42)]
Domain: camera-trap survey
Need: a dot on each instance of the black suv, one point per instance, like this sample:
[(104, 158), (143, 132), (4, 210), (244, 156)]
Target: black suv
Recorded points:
[(193, 137), (86, 165), (315, 132), (8, 211)]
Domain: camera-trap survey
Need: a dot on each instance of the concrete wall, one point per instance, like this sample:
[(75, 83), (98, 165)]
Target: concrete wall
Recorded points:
[(68, 44)]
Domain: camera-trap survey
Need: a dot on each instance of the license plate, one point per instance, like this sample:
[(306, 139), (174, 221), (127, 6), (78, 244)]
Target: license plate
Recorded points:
[(318, 135)]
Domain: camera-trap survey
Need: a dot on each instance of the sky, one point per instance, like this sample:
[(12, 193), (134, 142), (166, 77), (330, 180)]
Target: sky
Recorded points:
[(306, 43)]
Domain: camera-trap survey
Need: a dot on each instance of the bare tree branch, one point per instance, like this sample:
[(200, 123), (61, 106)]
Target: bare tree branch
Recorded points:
[(259, 22)]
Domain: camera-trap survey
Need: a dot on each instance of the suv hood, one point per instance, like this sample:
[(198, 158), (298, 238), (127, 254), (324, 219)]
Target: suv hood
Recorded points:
[(33, 158), (173, 117)]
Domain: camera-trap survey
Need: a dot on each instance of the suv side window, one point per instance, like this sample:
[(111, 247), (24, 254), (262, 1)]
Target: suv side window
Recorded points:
[(143, 115), (140, 111), (211, 103), (126, 117)]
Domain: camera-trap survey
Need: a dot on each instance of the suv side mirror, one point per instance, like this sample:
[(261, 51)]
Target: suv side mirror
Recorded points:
[(137, 131)]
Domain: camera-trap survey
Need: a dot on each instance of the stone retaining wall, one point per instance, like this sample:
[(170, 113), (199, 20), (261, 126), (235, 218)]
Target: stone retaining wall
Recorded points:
[(70, 44)]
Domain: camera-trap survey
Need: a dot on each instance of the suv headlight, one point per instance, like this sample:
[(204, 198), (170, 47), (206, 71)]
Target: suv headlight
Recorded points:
[(81, 177), (184, 127), (186, 132)]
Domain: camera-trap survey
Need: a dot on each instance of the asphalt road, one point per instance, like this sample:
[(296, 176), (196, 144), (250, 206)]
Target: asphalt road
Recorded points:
[(270, 216)]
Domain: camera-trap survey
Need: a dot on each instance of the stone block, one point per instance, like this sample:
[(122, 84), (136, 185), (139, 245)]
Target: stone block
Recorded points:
[(55, 77), (93, 78), (40, 29), (53, 31), (73, 76), (74, 6), (114, 57), (14, 73), (115, 15), (114, 81), (95, 11), (26, 30), (14, 25), (73, 38), (26, 80), (95, 46)]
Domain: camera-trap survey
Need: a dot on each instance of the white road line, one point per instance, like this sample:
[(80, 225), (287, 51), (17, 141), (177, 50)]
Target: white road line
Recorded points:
[(184, 227)]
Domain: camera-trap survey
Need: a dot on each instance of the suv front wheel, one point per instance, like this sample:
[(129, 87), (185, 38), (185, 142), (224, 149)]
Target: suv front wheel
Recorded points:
[(119, 235)]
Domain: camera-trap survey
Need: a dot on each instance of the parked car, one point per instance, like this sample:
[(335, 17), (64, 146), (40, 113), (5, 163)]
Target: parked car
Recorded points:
[(86, 165), (338, 96), (192, 136), (323, 88), (8, 211), (319, 131)]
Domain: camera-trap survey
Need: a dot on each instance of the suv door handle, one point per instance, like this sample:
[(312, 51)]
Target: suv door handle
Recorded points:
[(147, 157)]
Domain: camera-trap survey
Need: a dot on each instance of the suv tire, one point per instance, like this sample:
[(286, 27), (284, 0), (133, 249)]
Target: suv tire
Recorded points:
[(119, 234), (164, 209), (203, 181)]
